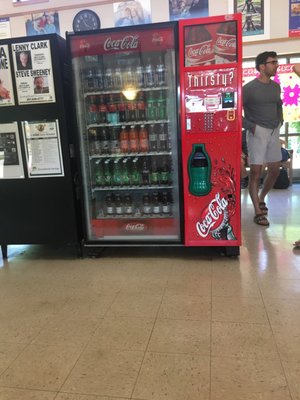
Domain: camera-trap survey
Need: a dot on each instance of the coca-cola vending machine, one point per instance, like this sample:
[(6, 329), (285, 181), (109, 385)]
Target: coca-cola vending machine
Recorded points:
[(126, 104), (210, 87)]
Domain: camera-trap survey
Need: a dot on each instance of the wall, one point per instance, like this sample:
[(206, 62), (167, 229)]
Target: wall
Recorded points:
[(277, 13)]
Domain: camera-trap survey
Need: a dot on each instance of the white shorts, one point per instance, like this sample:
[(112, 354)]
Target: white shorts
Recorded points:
[(263, 146)]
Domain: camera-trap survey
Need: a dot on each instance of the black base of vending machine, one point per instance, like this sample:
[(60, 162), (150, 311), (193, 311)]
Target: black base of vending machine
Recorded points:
[(37, 191)]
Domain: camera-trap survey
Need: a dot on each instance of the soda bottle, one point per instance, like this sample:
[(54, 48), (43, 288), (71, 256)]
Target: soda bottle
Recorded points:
[(153, 138), (108, 79), (129, 78), (135, 176), (119, 205), (133, 139), (140, 107), (102, 110), (145, 173), (104, 141), (199, 48), (117, 78), (166, 205), (199, 170), (98, 79), (162, 137), (114, 140), (109, 205), (122, 108), (99, 174), (117, 173), (112, 111), (156, 203), (147, 208), (139, 76), (92, 114), (149, 79), (165, 175), (107, 173), (161, 105), (98, 141), (89, 80), (131, 110), (225, 47), (143, 139), (154, 174), (92, 138), (160, 73), (151, 106), (128, 209), (124, 140), (125, 172)]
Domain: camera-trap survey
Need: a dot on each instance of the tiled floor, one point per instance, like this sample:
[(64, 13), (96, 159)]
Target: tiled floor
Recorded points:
[(156, 324)]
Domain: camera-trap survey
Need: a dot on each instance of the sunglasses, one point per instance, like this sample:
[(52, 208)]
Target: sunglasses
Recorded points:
[(271, 62)]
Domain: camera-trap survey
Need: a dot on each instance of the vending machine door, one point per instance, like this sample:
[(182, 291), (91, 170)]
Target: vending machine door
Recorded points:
[(125, 90), (210, 87)]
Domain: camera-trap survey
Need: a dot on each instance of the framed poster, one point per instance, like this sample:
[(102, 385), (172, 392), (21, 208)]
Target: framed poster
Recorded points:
[(182, 9), (255, 18), (134, 12), (43, 148), (42, 23), (6, 86), (294, 18), (11, 163), (34, 72)]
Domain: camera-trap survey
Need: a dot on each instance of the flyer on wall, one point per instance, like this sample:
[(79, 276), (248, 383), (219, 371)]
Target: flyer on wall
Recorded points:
[(6, 87), (11, 164), (34, 72), (43, 148)]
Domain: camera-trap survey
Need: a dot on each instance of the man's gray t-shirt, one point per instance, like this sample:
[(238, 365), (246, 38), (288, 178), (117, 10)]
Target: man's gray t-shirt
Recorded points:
[(262, 104)]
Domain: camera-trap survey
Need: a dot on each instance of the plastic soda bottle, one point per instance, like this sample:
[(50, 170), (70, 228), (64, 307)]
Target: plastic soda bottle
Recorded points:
[(199, 170), (125, 172), (133, 139), (143, 139), (135, 176), (107, 173), (124, 140)]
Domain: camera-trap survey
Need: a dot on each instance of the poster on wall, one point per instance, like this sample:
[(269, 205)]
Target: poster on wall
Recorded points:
[(11, 164), (183, 9), (33, 72), (253, 21), (43, 149), (5, 28), (132, 13), (42, 23), (290, 89), (6, 86), (294, 18)]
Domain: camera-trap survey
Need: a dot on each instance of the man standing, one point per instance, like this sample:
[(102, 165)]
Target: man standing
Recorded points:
[(262, 119)]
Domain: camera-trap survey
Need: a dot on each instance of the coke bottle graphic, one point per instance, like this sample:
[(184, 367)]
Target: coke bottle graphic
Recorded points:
[(225, 47), (199, 170), (198, 47)]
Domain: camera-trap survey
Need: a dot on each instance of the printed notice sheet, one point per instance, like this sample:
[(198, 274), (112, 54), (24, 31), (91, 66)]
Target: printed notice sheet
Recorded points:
[(6, 87), (43, 148), (34, 72), (11, 164)]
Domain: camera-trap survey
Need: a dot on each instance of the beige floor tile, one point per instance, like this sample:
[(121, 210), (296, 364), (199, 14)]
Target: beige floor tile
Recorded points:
[(173, 377), (189, 284), (240, 379), (8, 353), (123, 333), (238, 287), (40, 367), (243, 340), (145, 285), (104, 372), (180, 336), (135, 305), (292, 373), (284, 313), (288, 343), (243, 309), (67, 396), (185, 307), (280, 288), (22, 394)]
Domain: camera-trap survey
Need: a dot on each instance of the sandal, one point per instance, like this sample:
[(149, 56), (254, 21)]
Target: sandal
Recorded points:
[(264, 209), (261, 219)]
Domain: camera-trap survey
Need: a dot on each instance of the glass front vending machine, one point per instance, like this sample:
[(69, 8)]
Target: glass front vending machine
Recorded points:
[(211, 124), (126, 103)]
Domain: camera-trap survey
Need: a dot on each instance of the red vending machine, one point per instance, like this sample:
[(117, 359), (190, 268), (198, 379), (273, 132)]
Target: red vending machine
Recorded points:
[(211, 123)]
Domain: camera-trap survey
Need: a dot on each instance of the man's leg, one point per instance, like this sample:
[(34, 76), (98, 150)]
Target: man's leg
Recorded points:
[(255, 173), (270, 179)]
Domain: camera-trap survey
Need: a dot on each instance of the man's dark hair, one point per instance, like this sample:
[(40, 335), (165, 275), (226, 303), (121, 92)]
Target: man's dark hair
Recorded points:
[(262, 58)]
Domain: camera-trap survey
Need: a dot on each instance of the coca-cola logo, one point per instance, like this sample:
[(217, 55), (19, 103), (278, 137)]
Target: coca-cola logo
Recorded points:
[(84, 44), (213, 216), (157, 38), (126, 43), (222, 41), (135, 227), (196, 51)]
